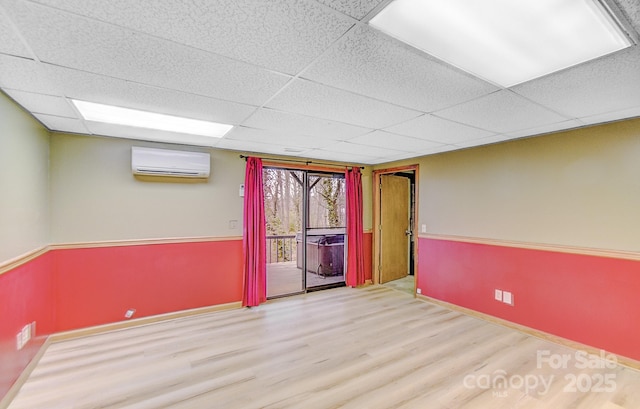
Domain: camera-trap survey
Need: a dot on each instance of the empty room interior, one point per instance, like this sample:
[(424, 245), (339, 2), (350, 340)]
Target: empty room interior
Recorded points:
[(319, 204)]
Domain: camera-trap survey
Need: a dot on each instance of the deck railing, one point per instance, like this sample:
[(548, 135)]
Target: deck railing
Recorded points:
[(281, 248)]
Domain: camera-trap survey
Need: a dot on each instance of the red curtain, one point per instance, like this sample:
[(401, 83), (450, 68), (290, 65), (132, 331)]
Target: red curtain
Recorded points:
[(355, 234), (254, 241)]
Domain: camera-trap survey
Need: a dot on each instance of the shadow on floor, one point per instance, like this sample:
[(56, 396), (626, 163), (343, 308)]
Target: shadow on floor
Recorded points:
[(406, 284)]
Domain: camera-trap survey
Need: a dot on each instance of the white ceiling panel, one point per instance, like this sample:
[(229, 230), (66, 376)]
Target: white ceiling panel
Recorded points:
[(367, 150), (62, 124), (631, 10), (611, 116), (604, 85), (258, 147), (501, 112), (354, 8), (242, 133), (284, 35), (303, 125), (299, 78), (128, 132), (341, 157), (25, 75), (388, 140), (425, 152), (11, 42), (438, 130), (371, 63), (484, 141), (43, 104), (308, 98), (545, 129), (107, 90), (101, 48), (438, 149)]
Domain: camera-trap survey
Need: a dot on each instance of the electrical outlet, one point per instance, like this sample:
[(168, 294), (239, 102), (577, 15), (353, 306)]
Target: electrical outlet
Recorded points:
[(498, 295), (419, 290), (26, 333), (233, 224), (129, 313), (507, 297), (423, 228)]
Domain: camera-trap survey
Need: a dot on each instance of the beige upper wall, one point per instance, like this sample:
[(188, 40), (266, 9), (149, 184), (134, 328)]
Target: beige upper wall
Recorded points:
[(24, 182), (95, 197), (577, 188)]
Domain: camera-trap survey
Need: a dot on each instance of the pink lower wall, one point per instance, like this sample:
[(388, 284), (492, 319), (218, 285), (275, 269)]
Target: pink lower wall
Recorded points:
[(26, 295), (97, 285), (589, 299), (75, 288)]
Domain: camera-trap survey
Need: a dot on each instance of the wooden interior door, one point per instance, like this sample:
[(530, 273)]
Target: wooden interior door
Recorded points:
[(394, 227)]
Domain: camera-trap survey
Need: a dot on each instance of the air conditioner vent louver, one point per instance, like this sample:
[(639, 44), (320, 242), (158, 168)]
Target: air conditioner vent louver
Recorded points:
[(164, 162)]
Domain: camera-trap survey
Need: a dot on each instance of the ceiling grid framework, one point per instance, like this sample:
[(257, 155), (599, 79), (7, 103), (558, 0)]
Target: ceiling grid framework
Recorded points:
[(304, 78)]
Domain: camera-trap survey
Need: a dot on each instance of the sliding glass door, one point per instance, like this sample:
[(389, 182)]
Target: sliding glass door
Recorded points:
[(325, 230), (284, 193), (305, 216)]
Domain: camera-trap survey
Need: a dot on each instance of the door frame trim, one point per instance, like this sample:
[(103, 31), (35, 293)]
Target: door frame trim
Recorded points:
[(375, 265)]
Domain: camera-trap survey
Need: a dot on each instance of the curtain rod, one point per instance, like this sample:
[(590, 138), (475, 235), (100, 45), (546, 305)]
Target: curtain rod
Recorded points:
[(308, 162)]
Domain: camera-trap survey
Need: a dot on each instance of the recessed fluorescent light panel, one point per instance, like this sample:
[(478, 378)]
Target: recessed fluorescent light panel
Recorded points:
[(142, 119), (505, 42)]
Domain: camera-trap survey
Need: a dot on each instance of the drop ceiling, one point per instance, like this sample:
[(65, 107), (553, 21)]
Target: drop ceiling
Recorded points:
[(304, 78)]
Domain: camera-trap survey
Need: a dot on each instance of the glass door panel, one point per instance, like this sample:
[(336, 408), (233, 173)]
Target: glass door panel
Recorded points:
[(283, 205), (325, 230)]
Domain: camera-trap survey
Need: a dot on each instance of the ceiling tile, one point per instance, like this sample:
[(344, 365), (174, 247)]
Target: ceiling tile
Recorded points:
[(438, 149), (367, 150), (25, 75), (354, 8), (102, 48), (346, 157), (631, 10), (501, 112), (43, 104), (119, 131), (283, 35), (438, 130), (363, 100), (603, 85), (485, 141), (388, 140), (370, 63), (393, 158), (62, 124), (308, 98), (611, 116), (242, 133), (259, 147), (545, 129), (303, 125), (107, 90), (11, 43), (409, 155)]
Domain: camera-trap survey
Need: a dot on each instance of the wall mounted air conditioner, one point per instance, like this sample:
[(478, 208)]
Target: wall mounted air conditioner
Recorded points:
[(164, 162)]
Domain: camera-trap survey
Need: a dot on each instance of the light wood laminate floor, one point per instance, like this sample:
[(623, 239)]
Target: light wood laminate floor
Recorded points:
[(366, 348)]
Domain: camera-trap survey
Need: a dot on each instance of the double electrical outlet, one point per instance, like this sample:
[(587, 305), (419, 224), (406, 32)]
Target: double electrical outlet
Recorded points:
[(504, 296), (26, 333)]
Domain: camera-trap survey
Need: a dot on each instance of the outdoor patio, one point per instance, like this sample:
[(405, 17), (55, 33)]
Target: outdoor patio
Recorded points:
[(286, 278)]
